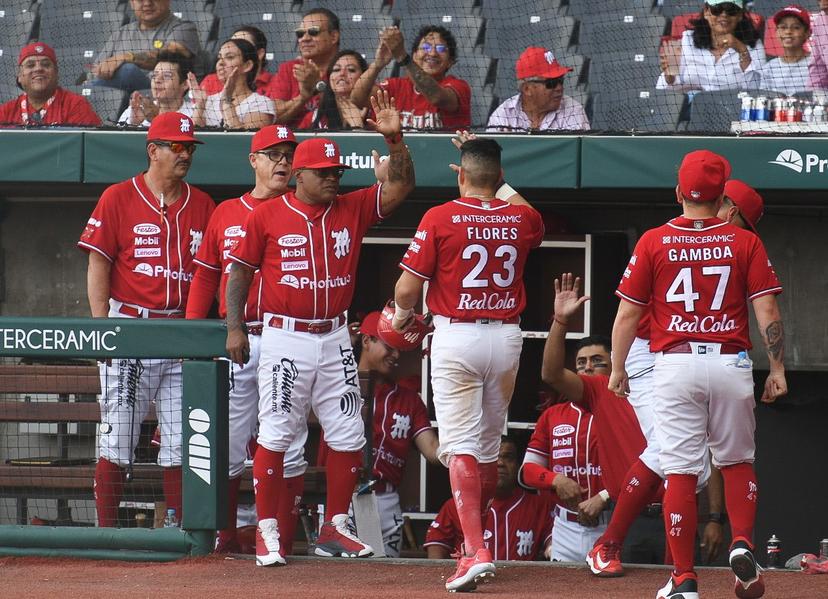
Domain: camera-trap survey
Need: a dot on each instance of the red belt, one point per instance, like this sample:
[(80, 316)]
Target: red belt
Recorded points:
[(255, 329), (314, 327), (146, 312), (686, 348), (566, 514), (512, 320)]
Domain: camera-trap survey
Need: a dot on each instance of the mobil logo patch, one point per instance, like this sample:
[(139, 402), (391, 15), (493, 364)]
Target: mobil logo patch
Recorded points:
[(562, 430), (234, 231), (292, 241), (146, 229)]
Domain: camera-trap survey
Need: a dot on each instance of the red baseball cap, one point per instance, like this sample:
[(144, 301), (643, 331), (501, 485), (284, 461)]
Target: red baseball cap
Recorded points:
[(747, 200), (368, 326), (172, 126), (537, 62), (317, 152), (793, 10), (270, 136), (36, 49), (702, 176)]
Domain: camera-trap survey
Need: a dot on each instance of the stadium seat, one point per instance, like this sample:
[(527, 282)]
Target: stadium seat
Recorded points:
[(623, 72), (345, 7), (16, 28), (511, 35), (227, 8), (8, 91), (474, 69), (482, 105), (494, 9), (80, 5), (401, 8), (360, 32), (74, 63), (768, 8), (190, 6), (8, 63), (466, 29), (644, 110), (75, 27), (583, 8), (281, 39), (675, 8), (506, 83), (713, 111), (17, 6), (620, 32), (107, 102), (204, 21)]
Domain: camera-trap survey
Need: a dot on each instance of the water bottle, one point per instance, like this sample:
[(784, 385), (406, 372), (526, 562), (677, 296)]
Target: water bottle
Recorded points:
[(774, 553), (823, 548), (171, 520), (743, 361)]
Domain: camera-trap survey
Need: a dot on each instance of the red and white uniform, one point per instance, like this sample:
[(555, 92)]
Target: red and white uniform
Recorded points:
[(517, 528), (565, 442), (63, 108), (222, 235), (473, 254), (697, 274), (417, 112), (308, 257), (151, 250)]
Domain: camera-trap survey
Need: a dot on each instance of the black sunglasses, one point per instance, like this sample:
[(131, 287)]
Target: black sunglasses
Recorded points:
[(276, 155), (549, 83), (311, 31), (731, 10)]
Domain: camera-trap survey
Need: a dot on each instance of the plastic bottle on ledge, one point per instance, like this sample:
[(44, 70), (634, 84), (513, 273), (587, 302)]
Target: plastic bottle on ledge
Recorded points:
[(171, 521)]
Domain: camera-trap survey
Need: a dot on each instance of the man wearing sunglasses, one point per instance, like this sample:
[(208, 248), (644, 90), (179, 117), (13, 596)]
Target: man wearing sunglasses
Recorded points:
[(541, 104), (294, 88), (428, 97), (141, 239), (307, 245), (271, 158)]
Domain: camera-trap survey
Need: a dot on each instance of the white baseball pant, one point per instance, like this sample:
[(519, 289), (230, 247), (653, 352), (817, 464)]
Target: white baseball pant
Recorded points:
[(703, 399), (570, 540), (391, 521), (299, 371), (473, 372)]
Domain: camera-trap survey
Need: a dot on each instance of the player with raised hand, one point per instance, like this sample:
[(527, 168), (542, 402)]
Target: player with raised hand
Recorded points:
[(306, 244), (472, 250), (696, 271)]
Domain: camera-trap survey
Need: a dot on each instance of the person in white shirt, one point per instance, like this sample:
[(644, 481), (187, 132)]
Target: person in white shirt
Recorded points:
[(541, 104), (168, 82), (722, 51), (789, 72)]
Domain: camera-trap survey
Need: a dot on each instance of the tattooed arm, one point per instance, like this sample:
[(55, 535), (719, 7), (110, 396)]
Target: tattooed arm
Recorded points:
[(443, 98), (238, 285), (773, 335), (400, 179)]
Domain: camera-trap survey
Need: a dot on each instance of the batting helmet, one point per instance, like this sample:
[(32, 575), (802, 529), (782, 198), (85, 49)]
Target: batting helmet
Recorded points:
[(411, 338)]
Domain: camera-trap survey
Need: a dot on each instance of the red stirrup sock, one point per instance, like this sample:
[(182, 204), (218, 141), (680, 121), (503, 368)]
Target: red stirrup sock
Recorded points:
[(289, 501), (341, 473), (268, 474), (465, 488), (741, 492), (229, 533), (109, 486), (488, 487), (680, 520), (642, 484)]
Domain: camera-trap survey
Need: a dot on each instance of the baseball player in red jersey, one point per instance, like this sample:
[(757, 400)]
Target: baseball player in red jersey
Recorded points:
[(743, 207), (518, 524), (565, 443), (472, 251), (696, 272), (271, 157), (307, 246), (141, 239)]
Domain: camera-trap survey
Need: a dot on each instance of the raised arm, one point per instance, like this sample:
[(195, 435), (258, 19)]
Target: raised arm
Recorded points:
[(773, 335), (97, 284), (400, 178), (238, 286), (365, 86)]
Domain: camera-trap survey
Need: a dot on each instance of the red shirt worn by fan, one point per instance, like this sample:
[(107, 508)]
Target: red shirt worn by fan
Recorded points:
[(308, 255), (151, 249), (686, 259), (482, 249), (417, 112), (64, 108), (284, 86)]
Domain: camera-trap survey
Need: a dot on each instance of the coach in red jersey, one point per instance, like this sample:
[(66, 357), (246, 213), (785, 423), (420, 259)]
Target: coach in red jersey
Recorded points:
[(472, 250), (517, 524), (306, 245), (696, 272), (142, 238)]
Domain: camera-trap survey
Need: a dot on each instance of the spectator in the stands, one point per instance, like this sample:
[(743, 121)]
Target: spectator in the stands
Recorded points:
[(722, 51), (818, 67), (131, 52), (294, 87), (426, 96), (169, 92), (255, 36), (237, 106), (335, 110), (43, 101), (541, 104), (789, 72)]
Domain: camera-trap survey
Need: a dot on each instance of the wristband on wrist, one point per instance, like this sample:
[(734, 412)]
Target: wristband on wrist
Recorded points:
[(604, 494), (405, 61), (394, 140), (504, 192), (717, 517)]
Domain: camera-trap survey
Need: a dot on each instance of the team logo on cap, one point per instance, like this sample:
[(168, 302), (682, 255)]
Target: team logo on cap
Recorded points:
[(185, 125), (39, 49), (281, 132), (330, 151), (695, 194), (549, 56)]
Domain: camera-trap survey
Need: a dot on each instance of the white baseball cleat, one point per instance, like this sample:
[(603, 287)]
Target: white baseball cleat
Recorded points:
[(267, 544)]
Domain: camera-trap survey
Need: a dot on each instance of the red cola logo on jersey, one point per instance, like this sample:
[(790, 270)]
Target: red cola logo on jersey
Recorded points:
[(706, 324), (487, 301)]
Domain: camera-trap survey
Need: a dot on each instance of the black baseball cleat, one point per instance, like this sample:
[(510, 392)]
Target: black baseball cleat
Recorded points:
[(683, 587), (749, 583)]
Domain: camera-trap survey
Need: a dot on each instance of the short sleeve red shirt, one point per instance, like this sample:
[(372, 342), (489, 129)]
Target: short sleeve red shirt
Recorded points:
[(517, 528), (212, 85), (284, 86), (399, 416), (64, 108), (620, 440), (151, 250), (473, 252), (565, 441), (308, 255), (697, 274), (222, 235), (417, 112)]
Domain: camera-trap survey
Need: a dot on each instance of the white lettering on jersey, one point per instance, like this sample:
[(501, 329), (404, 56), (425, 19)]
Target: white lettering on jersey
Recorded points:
[(489, 233), (294, 253), (421, 235), (151, 241), (699, 254), (414, 247), (487, 301), (702, 239), (401, 426), (429, 120), (570, 471), (144, 229), (565, 442), (342, 242), (234, 231), (147, 252), (488, 219), (175, 275), (292, 241), (94, 222), (558, 454), (295, 265), (707, 324), (307, 283), (195, 241), (562, 430), (526, 540)]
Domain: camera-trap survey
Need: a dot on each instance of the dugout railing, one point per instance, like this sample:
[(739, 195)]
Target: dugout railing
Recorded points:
[(203, 417)]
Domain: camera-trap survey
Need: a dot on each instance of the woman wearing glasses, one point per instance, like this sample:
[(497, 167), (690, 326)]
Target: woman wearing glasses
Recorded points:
[(336, 110), (428, 97), (722, 51), (237, 106)]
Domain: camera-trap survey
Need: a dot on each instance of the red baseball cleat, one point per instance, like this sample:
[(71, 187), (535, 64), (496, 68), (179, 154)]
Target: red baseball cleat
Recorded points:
[(267, 544), (605, 560), (749, 583), (470, 571), (684, 587), (337, 539)]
